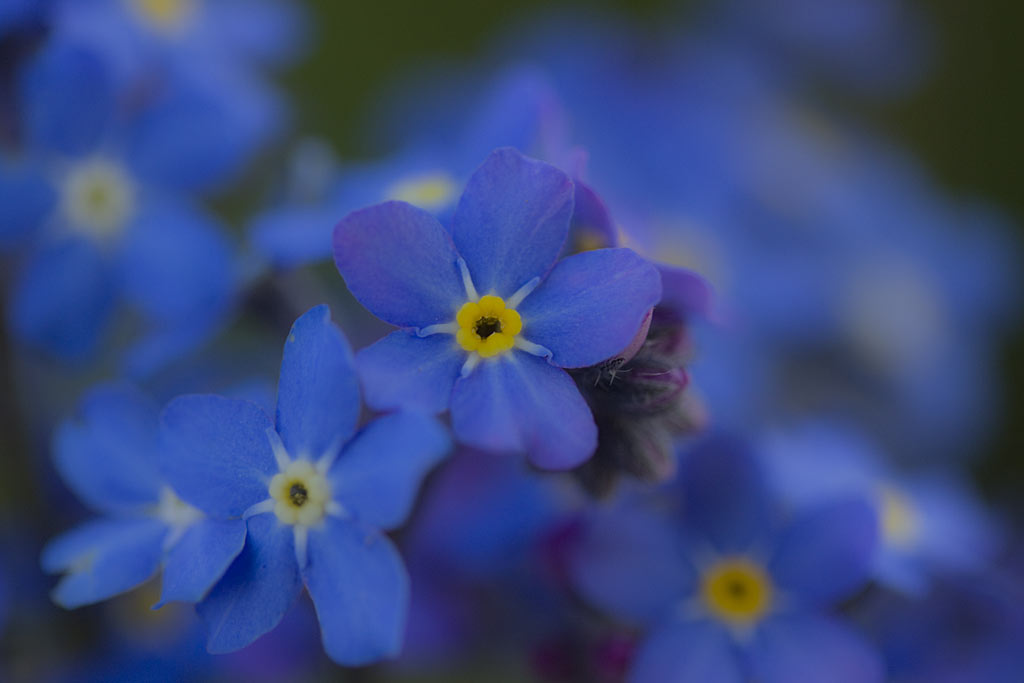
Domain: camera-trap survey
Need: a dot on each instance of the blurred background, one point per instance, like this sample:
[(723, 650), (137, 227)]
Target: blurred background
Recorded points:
[(845, 174)]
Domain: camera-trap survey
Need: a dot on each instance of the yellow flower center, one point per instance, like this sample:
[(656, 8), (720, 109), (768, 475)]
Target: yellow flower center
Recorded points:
[(736, 591), (899, 520), (429, 191), (164, 15), (487, 326), (98, 198), (300, 494)]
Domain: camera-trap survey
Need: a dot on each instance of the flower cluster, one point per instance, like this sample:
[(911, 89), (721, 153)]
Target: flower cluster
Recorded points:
[(621, 359)]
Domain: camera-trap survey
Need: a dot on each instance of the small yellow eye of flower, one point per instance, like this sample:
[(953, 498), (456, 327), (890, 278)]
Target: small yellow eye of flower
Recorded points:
[(487, 326), (300, 494), (429, 191), (99, 198), (165, 15), (900, 522), (736, 591)]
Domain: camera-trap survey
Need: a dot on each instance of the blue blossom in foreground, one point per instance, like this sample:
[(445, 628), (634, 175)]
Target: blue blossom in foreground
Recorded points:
[(731, 595), (928, 523), (109, 458), (490, 316), (314, 497)]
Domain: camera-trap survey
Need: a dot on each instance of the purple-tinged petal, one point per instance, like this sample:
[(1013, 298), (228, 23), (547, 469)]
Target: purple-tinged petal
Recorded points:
[(216, 453), (812, 648), (695, 652), (200, 558), (104, 558), (725, 497), (360, 590), (377, 476), (512, 221), (258, 588), (591, 306), (108, 455), (592, 224), (826, 553), (521, 403), (318, 393), (685, 294), (400, 264), (630, 563), (404, 371)]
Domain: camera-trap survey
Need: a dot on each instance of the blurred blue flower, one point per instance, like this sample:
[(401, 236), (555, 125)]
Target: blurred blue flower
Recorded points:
[(313, 496), (519, 109), (732, 595), (103, 232), (928, 523), (496, 360), (109, 458)]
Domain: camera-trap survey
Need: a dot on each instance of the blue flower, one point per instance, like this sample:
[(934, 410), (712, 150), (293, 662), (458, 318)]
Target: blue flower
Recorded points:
[(103, 231), (733, 595), (109, 458), (314, 498), (490, 318), (929, 523)]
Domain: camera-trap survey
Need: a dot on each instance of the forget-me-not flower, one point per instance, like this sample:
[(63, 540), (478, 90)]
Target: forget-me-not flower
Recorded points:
[(730, 595), (490, 316), (314, 498), (109, 458)]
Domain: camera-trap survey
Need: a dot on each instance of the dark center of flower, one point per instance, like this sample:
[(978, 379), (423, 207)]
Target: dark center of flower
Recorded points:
[(737, 589), (487, 326), (298, 494)]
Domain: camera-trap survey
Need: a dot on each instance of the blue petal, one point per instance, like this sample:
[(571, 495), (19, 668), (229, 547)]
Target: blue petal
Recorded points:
[(216, 453), (108, 456), (687, 653), (400, 263), (512, 221), (630, 563), (26, 198), (63, 299), (377, 476), (360, 590), (403, 370), (318, 393), (177, 265), (591, 223), (292, 236), (591, 306), (826, 552), (804, 648), (684, 293), (187, 141), (200, 558), (258, 588), (67, 98), (725, 497), (521, 403), (103, 558)]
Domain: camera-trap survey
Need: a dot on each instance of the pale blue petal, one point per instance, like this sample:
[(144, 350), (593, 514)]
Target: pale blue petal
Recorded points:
[(257, 590), (400, 264), (318, 393), (200, 558), (108, 454), (104, 558), (403, 371), (216, 453), (377, 476), (512, 221), (695, 652), (360, 590), (520, 403), (812, 648), (591, 306)]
